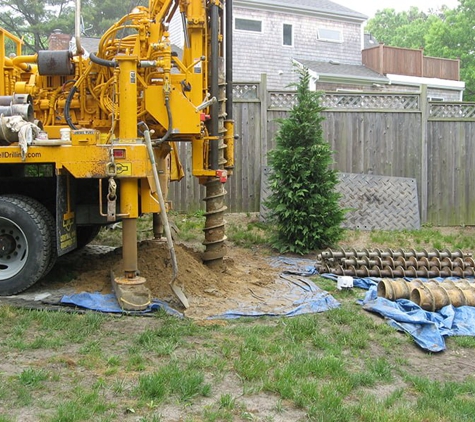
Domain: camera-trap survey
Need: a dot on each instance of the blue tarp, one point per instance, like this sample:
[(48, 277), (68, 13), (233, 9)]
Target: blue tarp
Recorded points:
[(295, 295), (427, 328), (108, 303), (303, 295)]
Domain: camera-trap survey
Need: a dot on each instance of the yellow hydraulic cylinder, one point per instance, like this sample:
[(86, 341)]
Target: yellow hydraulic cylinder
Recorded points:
[(127, 98), (128, 186), (129, 206)]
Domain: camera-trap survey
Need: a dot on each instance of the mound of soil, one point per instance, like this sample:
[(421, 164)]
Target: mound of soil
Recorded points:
[(245, 279)]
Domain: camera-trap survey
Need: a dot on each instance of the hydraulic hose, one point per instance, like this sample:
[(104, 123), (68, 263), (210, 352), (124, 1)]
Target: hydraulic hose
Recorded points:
[(67, 107), (102, 62), (170, 123)]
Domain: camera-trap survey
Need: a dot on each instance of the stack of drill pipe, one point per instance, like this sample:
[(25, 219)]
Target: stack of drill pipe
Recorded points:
[(434, 295), (397, 263)]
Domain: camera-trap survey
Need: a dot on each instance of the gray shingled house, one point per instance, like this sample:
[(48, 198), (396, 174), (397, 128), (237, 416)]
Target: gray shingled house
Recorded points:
[(327, 38), (322, 35)]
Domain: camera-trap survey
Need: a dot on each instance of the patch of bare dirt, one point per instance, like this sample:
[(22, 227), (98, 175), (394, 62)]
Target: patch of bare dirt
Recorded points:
[(246, 279)]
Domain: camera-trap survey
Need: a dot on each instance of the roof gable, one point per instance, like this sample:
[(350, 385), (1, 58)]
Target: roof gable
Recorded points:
[(320, 7), (344, 71)]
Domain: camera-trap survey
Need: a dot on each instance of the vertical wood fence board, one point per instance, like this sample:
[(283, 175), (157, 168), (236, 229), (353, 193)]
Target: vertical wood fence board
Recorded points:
[(381, 142), (451, 190), (234, 185), (470, 174), (434, 173)]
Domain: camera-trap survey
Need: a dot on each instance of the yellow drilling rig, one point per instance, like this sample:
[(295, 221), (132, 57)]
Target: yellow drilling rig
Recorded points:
[(89, 138)]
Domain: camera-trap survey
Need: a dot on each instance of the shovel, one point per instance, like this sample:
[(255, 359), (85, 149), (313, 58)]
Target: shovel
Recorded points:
[(163, 214)]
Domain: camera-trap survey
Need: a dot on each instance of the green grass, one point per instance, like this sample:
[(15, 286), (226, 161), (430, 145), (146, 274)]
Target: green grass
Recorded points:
[(340, 365), (189, 227), (249, 232), (426, 237), (176, 379), (249, 235), (329, 367)]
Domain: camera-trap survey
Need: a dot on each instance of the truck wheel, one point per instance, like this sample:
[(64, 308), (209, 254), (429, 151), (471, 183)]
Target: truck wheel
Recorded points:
[(25, 243), (51, 223), (86, 234)]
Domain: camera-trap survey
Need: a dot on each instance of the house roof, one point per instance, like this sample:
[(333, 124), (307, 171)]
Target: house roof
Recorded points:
[(90, 44), (334, 70), (325, 7)]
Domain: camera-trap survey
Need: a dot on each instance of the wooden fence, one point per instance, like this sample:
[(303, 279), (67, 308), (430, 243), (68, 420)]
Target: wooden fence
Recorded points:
[(385, 59), (388, 134)]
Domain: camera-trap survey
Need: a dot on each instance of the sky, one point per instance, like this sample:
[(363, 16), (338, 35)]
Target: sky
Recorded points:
[(370, 7)]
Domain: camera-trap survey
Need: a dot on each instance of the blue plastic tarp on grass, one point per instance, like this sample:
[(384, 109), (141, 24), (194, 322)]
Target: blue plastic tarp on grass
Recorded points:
[(428, 329), (302, 295), (292, 294), (108, 303), (297, 266)]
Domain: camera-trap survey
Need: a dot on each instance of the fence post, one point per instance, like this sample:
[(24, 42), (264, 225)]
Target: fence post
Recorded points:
[(263, 95), (424, 107)]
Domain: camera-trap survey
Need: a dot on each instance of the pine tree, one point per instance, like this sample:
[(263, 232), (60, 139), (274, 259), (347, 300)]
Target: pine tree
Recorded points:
[(303, 204)]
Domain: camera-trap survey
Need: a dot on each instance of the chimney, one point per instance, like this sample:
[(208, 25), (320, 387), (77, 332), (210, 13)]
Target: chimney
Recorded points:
[(58, 41)]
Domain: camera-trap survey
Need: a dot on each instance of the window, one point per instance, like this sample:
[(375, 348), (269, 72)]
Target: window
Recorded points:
[(287, 34), (327, 34), (248, 25)]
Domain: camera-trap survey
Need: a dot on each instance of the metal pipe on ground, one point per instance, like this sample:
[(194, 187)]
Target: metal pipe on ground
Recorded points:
[(434, 295), (435, 253), (410, 262), (398, 272), (398, 288)]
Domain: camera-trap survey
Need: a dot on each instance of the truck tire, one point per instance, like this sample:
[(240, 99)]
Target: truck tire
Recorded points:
[(51, 222), (26, 244)]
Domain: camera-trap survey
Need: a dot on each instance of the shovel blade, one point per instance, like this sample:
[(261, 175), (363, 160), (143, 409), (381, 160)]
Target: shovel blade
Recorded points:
[(180, 294)]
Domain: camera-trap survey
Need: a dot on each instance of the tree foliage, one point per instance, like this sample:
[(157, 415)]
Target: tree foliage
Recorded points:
[(99, 15), (453, 38), (35, 20), (446, 33), (303, 203), (403, 29)]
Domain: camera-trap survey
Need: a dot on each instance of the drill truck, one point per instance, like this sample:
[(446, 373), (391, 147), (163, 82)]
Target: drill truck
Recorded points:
[(90, 138)]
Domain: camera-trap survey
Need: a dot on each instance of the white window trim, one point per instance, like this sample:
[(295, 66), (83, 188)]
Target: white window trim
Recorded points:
[(319, 38), (248, 30), (292, 40)]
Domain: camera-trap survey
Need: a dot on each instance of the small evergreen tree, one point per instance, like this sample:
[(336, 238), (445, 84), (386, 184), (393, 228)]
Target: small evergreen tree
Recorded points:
[(303, 202)]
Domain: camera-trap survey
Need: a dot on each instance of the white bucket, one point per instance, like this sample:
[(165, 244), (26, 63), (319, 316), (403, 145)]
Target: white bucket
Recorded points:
[(65, 134), (344, 282)]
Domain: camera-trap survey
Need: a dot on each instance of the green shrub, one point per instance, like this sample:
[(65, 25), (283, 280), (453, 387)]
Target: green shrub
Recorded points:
[(303, 202)]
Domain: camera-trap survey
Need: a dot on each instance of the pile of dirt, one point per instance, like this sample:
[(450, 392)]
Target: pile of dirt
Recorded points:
[(245, 279)]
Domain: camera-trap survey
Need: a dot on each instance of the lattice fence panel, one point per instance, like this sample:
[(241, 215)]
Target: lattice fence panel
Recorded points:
[(282, 100), (445, 110), (371, 101), (407, 102), (245, 92)]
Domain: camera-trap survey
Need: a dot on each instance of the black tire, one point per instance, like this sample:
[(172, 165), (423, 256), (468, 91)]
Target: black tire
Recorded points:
[(86, 234), (26, 245), (51, 222)]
